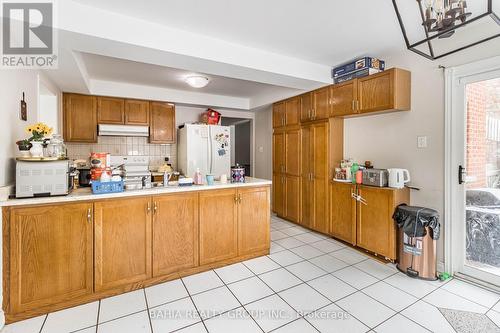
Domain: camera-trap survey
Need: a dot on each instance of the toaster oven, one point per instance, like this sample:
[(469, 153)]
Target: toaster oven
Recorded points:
[(376, 177), (42, 178)]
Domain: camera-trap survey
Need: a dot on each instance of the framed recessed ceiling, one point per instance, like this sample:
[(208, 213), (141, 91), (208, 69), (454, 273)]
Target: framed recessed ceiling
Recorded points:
[(438, 28)]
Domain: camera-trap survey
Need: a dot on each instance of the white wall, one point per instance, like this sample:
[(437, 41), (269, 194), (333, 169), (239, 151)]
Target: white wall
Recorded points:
[(12, 85), (390, 140), (263, 143), (48, 112)]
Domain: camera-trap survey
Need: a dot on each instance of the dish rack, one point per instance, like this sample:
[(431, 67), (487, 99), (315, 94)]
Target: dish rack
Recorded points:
[(107, 187)]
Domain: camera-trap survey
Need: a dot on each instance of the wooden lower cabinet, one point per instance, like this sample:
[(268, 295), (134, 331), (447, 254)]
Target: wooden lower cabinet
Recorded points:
[(320, 206), (292, 198), (58, 256), (376, 230), (279, 197), (343, 212), (218, 225), (175, 233), (253, 220), (50, 255), (122, 242)]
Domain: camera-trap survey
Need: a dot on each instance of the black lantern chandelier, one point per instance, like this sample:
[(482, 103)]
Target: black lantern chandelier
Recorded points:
[(441, 19)]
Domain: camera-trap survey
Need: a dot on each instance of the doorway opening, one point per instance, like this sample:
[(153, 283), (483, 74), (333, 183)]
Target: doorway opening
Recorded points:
[(241, 148), (472, 198), (482, 183)]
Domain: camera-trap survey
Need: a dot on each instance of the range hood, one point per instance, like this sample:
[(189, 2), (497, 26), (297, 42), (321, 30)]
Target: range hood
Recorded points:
[(123, 130)]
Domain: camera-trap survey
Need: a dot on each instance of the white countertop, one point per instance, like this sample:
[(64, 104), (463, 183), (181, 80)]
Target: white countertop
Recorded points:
[(85, 194)]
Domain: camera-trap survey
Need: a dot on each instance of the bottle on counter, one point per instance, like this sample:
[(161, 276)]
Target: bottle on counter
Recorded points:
[(198, 179), (354, 170)]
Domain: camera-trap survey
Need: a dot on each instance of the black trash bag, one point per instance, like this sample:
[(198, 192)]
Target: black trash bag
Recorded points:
[(414, 220)]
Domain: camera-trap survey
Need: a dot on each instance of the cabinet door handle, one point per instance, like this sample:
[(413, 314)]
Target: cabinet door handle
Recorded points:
[(357, 105), (148, 207), (353, 105), (235, 198), (89, 215), (309, 113), (239, 198), (155, 207)]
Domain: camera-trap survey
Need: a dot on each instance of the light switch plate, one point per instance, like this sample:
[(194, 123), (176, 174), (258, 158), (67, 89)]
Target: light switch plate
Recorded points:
[(261, 149), (422, 141)]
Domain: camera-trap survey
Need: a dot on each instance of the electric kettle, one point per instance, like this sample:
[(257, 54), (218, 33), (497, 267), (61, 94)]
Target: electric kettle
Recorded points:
[(398, 177)]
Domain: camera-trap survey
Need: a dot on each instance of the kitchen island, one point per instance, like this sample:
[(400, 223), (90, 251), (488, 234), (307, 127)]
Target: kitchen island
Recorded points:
[(59, 252)]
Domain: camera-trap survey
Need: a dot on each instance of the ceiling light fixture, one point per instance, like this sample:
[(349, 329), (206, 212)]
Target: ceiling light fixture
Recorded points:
[(197, 81), (442, 19)]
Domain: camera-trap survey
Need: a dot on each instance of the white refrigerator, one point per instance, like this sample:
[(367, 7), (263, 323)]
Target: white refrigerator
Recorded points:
[(207, 147)]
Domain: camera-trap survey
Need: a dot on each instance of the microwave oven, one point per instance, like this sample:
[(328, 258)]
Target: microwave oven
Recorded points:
[(42, 178)]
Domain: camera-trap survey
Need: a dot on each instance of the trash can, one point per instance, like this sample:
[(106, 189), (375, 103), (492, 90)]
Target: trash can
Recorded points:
[(418, 232)]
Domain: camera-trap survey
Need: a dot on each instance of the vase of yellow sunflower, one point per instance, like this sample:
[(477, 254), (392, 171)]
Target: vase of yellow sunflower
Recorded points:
[(38, 132)]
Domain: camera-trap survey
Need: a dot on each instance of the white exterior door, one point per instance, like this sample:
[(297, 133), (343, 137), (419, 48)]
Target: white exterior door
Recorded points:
[(472, 230)]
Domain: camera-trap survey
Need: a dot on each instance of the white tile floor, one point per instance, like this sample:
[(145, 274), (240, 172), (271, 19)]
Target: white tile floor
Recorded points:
[(308, 283)]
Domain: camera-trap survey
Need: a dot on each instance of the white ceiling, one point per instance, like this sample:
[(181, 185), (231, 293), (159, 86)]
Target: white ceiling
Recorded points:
[(120, 70), (255, 52), (323, 31)]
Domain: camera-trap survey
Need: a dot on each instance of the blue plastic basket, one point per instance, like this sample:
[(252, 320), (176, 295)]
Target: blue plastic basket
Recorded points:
[(107, 187)]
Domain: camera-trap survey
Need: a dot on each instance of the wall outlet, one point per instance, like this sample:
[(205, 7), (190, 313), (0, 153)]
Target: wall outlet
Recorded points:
[(261, 149), (422, 141)]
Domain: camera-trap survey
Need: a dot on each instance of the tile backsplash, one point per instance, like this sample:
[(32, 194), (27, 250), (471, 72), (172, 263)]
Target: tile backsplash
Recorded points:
[(133, 146)]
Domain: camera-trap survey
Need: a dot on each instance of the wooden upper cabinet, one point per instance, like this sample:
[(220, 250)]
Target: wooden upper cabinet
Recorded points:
[(386, 91), (110, 110), (253, 220), (80, 118), (122, 242), (343, 97), (306, 107), (279, 114), (136, 112), (376, 230), (162, 117), (343, 212), (292, 111), (292, 152), (218, 225), (175, 233), (50, 252), (321, 103)]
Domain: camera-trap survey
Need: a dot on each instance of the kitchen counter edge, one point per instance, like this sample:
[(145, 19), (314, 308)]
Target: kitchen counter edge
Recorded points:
[(85, 194)]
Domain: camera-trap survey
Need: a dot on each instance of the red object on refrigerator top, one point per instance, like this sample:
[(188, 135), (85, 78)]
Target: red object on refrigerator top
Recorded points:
[(212, 117)]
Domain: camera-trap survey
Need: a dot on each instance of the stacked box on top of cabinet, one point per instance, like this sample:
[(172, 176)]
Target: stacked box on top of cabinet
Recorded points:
[(357, 68)]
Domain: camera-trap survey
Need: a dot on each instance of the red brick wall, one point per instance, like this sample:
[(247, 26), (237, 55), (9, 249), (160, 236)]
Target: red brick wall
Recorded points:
[(476, 134)]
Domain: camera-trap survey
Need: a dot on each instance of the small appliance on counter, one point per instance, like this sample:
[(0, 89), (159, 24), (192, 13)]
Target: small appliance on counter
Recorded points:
[(42, 177), (237, 174), (136, 172), (84, 177), (398, 177), (375, 177)]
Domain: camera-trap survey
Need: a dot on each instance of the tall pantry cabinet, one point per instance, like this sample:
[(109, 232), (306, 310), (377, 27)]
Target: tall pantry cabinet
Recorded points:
[(314, 199), (286, 159)]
